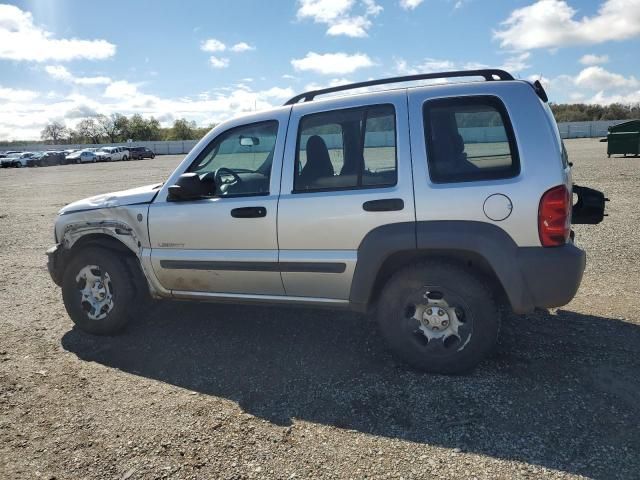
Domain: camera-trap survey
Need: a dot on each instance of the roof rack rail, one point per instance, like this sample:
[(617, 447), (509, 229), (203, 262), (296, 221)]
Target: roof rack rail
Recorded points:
[(488, 74)]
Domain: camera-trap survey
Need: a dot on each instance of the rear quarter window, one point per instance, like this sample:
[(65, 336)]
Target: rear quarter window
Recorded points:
[(469, 139)]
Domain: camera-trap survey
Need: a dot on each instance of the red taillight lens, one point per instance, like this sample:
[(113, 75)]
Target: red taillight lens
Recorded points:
[(554, 217)]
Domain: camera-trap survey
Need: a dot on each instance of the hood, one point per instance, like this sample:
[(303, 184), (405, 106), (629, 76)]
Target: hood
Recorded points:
[(116, 199)]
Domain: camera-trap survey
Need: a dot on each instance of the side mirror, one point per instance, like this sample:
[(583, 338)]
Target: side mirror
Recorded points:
[(249, 141), (189, 187)]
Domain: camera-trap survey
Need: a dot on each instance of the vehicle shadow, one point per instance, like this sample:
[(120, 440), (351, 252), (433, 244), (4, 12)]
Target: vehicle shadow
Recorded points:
[(561, 391)]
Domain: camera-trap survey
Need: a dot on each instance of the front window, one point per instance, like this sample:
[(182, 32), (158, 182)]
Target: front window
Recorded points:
[(239, 160)]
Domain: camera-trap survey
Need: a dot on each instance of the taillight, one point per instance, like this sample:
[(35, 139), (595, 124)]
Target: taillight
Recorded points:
[(554, 217)]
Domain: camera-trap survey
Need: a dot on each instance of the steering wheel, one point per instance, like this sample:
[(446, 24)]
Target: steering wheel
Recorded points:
[(226, 172)]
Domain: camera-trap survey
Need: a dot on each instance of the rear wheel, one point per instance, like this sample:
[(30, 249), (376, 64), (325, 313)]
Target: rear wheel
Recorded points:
[(438, 317), (124, 159), (98, 291)]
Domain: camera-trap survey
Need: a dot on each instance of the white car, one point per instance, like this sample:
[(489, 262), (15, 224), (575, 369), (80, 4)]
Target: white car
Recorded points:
[(115, 153), (83, 156), (16, 159)]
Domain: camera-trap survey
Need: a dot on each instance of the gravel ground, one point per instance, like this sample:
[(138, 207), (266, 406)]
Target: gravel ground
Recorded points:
[(212, 391)]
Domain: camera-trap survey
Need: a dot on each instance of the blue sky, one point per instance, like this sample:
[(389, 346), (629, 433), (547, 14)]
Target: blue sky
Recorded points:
[(209, 60)]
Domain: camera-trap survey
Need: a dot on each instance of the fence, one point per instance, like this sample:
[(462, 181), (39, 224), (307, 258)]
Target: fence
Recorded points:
[(177, 147)]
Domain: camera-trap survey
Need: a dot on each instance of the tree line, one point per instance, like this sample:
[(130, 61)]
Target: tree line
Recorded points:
[(117, 128), (582, 112)]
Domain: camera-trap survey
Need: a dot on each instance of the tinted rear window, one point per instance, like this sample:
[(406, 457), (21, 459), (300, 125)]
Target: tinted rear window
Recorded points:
[(469, 138)]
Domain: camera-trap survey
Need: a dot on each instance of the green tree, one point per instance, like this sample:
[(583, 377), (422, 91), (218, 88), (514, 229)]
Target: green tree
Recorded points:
[(183, 129), (113, 126), (53, 132), (89, 129)]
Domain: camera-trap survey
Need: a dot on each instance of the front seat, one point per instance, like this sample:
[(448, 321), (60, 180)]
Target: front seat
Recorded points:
[(318, 163)]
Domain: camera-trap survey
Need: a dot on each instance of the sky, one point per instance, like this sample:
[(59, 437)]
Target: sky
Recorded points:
[(207, 61)]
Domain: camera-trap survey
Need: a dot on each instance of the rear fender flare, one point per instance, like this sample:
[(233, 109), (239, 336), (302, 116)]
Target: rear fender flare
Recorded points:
[(439, 238)]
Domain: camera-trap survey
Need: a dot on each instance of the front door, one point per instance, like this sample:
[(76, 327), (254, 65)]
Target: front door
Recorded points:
[(226, 244)]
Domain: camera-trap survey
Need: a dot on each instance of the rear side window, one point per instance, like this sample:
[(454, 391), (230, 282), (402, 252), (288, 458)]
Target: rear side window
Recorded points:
[(469, 138), (346, 149)]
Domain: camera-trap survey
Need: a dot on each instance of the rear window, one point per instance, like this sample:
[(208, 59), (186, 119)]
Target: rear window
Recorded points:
[(468, 139)]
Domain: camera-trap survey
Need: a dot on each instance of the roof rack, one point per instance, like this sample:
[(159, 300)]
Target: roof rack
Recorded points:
[(488, 74)]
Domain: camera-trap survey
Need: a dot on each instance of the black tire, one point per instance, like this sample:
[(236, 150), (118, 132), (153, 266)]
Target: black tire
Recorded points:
[(403, 298), (124, 159), (153, 155), (122, 290)]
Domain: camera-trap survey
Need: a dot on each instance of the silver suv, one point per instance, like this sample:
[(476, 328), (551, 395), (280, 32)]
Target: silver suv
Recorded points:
[(433, 208)]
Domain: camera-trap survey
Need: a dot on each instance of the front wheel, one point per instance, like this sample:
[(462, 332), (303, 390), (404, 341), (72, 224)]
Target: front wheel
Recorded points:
[(438, 317), (98, 291)]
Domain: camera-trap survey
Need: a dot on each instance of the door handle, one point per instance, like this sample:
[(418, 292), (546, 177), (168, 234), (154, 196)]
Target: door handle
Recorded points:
[(386, 205), (249, 212)]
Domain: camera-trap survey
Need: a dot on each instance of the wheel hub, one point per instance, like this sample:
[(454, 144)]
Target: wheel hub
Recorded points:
[(437, 319), (96, 292)]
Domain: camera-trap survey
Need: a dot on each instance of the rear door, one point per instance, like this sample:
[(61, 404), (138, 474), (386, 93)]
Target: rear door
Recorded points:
[(346, 171)]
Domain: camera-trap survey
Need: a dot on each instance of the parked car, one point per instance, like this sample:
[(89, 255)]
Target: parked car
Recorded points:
[(52, 158), (18, 159), (34, 160), (9, 152), (82, 156), (66, 154), (138, 153), (102, 156), (115, 153), (417, 205)]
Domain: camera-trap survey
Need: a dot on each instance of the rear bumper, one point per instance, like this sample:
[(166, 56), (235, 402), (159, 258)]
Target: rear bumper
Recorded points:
[(54, 264), (550, 276)]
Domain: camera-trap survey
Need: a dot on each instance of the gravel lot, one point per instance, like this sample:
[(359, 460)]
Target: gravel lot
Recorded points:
[(211, 391)]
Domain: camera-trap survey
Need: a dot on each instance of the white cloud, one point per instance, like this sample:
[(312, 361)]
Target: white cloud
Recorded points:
[(24, 118), (61, 73), (597, 78), (121, 89), (513, 64), (324, 11), (516, 63), (218, 62), (17, 95), (410, 4), (332, 63), (553, 24), (242, 47), (590, 59), (212, 45), (334, 82), (339, 15), (20, 39), (602, 98)]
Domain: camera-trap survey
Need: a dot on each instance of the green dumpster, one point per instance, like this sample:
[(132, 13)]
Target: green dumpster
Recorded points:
[(624, 138)]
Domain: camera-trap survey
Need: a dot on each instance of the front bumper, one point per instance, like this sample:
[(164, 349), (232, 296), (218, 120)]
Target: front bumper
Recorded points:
[(54, 263), (551, 276)]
